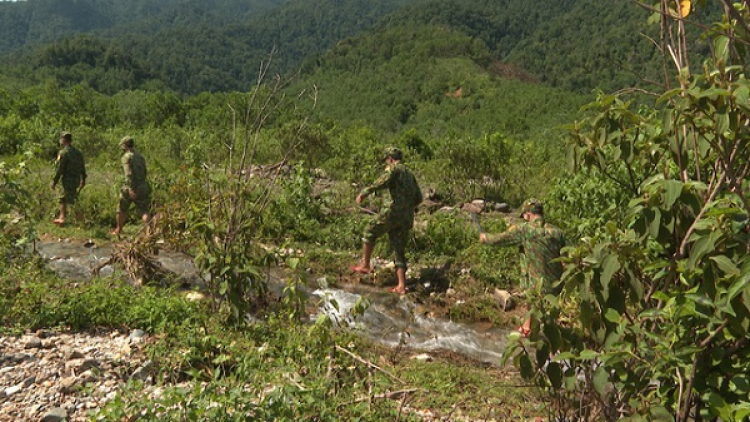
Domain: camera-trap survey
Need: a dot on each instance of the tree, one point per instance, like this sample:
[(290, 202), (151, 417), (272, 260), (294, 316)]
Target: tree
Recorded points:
[(653, 320)]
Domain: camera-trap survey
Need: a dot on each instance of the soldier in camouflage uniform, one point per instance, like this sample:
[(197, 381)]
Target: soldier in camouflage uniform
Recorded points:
[(396, 217), (135, 188), (71, 168), (540, 244)]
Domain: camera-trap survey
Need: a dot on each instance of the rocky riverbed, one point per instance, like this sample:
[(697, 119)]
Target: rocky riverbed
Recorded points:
[(52, 376), (67, 377)]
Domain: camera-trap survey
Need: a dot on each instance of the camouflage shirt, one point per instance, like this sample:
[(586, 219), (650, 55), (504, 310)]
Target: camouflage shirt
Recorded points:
[(540, 243), (402, 186), (134, 167), (70, 167)]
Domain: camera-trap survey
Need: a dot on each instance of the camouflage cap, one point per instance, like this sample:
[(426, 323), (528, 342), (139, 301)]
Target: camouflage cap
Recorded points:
[(394, 153), (533, 206), (67, 136), (127, 141)]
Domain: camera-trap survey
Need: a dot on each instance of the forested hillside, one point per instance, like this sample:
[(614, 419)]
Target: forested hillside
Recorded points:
[(197, 46), (437, 80), (32, 22), (191, 47)]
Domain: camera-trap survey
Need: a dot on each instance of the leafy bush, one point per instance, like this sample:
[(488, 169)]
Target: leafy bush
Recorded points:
[(294, 213), (653, 319), (342, 232), (445, 234), (494, 267), (17, 221), (582, 203), (39, 300)]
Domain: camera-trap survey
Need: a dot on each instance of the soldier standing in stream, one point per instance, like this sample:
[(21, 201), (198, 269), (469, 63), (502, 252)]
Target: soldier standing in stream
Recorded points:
[(396, 218)]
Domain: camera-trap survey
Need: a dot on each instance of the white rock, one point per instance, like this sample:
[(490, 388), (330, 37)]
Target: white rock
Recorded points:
[(12, 390), (424, 357)]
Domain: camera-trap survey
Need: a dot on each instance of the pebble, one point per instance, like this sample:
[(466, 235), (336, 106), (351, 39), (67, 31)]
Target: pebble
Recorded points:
[(43, 374)]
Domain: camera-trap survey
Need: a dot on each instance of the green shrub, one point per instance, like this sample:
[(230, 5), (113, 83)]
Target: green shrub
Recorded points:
[(493, 266), (41, 299), (446, 234), (294, 213), (580, 204)]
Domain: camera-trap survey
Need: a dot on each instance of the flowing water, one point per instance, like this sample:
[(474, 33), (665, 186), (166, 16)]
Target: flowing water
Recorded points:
[(390, 319)]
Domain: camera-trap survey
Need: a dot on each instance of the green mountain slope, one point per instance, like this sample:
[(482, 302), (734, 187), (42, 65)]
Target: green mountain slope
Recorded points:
[(33, 22), (192, 56), (437, 80), (572, 44), (193, 46)]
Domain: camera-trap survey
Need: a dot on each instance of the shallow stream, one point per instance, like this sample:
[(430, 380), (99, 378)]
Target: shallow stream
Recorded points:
[(390, 319)]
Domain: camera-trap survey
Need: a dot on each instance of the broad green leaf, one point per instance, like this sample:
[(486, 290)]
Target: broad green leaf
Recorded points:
[(553, 335), (612, 315), (703, 146), (722, 123), (661, 414), (610, 265), (588, 354), (742, 93), (721, 46), (703, 245), (742, 413), (563, 356), (739, 385), (654, 18), (719, 406), (672, 191), (655, 224), (712, 92), (635, 284), (666, 97), (554, 372), (738, 286), (571, 382), (601, 378), (726, 265), (524, 362)]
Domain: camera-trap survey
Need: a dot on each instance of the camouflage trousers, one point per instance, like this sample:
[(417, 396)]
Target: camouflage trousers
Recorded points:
[(397, 226), (69, 195), (142, 200)]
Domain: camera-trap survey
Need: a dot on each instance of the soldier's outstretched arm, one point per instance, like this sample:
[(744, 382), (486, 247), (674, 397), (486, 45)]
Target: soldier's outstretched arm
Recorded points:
[(513, 236)]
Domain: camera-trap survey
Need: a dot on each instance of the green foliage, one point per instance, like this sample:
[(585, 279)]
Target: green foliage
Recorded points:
[(294, 214), (432, 79), (225, 246), (17, 223), (445, 235), (494, 267), (36, 299), (356, 155), (654, 305), (342, 232), (238, 385), (581, 203)]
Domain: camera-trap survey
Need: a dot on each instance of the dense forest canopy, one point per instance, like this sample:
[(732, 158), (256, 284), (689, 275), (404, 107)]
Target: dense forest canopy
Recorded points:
[(597, 44)]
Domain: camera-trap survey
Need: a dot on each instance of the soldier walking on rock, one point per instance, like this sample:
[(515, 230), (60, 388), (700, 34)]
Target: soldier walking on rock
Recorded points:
[(135, 188), (396, 218), (540, 244), (71, 168)]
